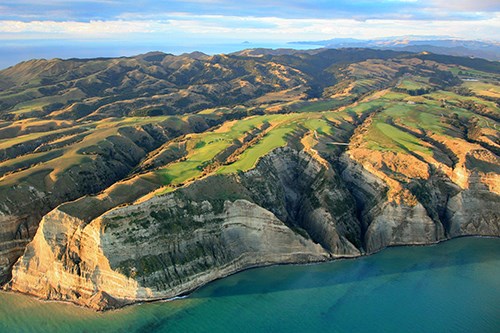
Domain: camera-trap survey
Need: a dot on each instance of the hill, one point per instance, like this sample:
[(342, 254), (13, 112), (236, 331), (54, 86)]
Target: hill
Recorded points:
[(437, 44), (142, 178)]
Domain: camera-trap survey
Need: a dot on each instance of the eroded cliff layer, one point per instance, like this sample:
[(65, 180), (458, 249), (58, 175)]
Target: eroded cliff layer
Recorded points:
[(104, 155), (289, 209), (333, 154), (173, 243)]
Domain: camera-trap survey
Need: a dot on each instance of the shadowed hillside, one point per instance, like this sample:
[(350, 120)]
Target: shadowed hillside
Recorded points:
[(142, 178)]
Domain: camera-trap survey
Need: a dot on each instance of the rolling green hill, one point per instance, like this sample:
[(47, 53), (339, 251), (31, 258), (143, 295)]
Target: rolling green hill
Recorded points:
[(142, 178)]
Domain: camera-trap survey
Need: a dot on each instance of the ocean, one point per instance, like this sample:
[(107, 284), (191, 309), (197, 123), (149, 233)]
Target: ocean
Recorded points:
[(450, 287), (14, 52)]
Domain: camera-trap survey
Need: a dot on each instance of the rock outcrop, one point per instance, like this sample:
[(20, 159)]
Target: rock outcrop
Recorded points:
[(420, 212), (109, 160), (291, 208), (92, 265), (171, 244), (320, 155)]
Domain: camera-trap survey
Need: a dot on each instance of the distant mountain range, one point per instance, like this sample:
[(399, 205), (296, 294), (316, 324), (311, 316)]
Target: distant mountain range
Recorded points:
[(436, 44)]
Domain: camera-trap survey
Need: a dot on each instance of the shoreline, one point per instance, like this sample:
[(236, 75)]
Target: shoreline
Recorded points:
[(187, 294)]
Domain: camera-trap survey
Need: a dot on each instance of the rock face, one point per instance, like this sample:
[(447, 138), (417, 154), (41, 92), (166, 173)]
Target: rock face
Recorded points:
[(386, 221), (425, 212), (291, 208), (319, 155), (171, 244), (400, 225), (473, 213), (23, 205), (71, 260)]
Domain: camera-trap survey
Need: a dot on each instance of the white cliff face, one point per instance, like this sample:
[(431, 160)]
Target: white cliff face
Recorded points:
[(70, 260), (473, 213), (291, 208), (441, 208), (401, 225), (65, 262), (164, 247)]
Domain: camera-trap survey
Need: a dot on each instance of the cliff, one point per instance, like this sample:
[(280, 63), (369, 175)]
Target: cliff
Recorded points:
[(171, 244), (143, 178), (95, 163), (289, 209)]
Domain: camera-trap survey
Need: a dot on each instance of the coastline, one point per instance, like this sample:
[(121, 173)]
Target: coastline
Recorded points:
[(187, 293)]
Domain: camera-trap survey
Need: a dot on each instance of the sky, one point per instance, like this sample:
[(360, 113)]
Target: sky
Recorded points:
[(136, 24)]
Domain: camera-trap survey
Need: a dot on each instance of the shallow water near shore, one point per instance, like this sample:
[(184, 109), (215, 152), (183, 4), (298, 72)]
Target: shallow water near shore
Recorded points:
[(449, 287)]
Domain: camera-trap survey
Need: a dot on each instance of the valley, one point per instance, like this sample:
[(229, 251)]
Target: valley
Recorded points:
[(134, 179)]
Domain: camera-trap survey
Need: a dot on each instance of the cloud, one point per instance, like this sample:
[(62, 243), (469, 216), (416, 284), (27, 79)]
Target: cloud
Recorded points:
[(84, 29), (282, 20), (87, 10), (179, 26), (467, 5)]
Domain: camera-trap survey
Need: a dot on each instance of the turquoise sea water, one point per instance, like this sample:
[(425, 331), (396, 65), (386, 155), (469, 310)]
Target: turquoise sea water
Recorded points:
[(450, 287)]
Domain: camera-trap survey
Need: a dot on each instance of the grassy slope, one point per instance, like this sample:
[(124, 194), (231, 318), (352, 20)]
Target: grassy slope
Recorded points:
[(70, 155), (324, 119), (205, 146)]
